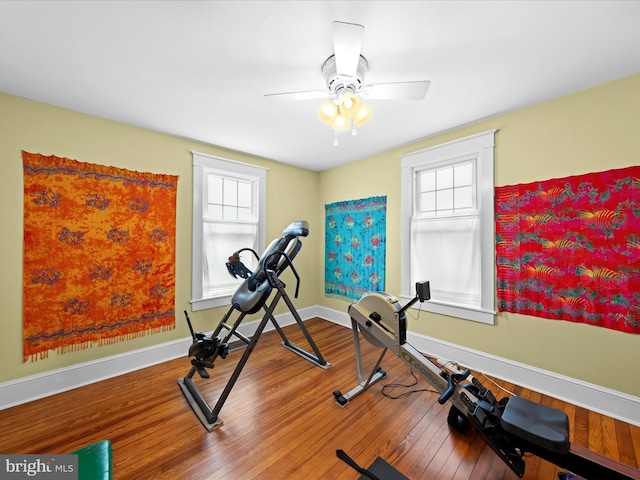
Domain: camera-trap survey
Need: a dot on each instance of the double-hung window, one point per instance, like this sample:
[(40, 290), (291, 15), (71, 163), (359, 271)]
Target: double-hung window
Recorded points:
[(228, 215), (448, 226)]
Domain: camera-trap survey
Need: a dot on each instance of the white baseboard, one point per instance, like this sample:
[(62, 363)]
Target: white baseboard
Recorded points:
[(599, 399), (33, 387), (593, 397)]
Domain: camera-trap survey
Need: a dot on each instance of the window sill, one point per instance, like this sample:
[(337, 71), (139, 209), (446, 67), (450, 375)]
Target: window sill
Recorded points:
[(211, 302), (457, 311)]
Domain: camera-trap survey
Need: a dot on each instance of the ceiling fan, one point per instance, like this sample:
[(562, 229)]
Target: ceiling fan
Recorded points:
[(344, 74)]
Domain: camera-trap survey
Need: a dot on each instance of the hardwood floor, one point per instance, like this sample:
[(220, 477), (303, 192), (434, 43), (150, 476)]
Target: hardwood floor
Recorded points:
[(281, 421)]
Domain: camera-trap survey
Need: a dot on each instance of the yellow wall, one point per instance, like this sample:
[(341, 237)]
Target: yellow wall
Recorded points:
[(292, 194), (594, 130), (589, 131)]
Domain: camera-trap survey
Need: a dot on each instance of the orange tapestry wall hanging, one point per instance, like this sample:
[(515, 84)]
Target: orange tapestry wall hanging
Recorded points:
[(99, 254)]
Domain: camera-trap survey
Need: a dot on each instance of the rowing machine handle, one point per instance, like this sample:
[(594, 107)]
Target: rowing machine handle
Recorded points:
[(452, 380)]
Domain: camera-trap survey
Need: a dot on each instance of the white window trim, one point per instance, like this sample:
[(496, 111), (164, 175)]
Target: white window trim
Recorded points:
[(482, 147), (202, 163)]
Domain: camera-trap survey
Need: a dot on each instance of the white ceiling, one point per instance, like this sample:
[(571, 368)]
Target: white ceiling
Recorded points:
[(199, 69)]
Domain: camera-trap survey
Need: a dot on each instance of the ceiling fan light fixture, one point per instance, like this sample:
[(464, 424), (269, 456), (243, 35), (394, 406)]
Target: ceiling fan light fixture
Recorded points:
[(328, 112), (344, 74), (348, 112)]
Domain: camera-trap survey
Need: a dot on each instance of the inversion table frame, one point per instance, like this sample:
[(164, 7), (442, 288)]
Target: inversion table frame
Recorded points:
[(207, 349)]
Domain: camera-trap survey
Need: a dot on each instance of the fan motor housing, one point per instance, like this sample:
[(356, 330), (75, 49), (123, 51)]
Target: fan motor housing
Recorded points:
[(337, 84)]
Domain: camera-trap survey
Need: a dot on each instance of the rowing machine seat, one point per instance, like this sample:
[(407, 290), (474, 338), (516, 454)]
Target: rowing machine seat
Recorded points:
[(541, 425)]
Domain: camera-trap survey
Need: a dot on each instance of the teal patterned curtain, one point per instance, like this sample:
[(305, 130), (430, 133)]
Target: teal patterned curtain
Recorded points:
[(355, 247)]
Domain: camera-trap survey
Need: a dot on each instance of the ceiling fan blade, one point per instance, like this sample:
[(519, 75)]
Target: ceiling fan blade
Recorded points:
[(347, 44), (295, 96), (396, 91)]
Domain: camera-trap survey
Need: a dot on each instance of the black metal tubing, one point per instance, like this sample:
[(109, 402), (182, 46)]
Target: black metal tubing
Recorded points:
[(250, 250), (273, 282), (211, 413)]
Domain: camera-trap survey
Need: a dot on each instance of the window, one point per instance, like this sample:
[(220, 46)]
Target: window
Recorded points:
[(448, 226), (228, 215), (446, 191)]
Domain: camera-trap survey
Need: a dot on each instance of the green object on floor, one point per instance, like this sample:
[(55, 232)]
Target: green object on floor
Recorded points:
[(95, 461)]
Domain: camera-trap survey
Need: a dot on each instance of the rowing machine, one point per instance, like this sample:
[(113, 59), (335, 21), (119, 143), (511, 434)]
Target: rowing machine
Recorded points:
[(511, 426)]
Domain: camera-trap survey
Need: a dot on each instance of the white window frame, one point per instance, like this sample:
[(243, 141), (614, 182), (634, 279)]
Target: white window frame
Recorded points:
[(480, 147), (204, 164)]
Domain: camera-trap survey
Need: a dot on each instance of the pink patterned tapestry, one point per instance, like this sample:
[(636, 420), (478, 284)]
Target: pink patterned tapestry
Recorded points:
[(569, 249)]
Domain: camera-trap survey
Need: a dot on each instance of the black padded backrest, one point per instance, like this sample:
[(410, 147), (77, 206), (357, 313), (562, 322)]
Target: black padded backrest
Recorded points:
[(273, 260), (254, 291), (289, 244)]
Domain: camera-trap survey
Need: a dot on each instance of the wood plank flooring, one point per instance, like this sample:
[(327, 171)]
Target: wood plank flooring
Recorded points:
[(281, 421)]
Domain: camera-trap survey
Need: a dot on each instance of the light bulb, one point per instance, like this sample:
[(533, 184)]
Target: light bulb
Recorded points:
[(349, 105)]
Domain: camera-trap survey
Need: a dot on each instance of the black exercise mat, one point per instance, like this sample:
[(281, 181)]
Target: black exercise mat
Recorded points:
[(381, 469)]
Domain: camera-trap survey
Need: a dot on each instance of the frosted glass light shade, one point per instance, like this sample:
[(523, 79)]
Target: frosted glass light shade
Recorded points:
[(328, 112), (340, 123), (363, 115), (349, 105)]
